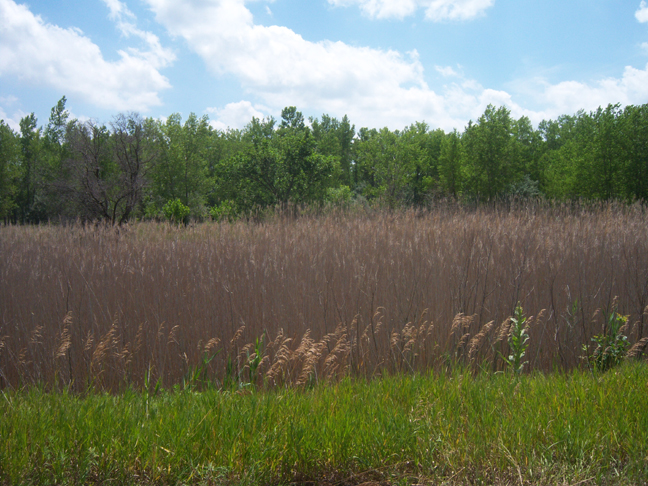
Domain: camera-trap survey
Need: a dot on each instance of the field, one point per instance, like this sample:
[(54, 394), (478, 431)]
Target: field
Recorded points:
[(274, 324), (452, 429)]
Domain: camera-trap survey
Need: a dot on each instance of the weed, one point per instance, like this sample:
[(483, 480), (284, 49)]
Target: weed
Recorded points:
[(518, 341), (612, 345)]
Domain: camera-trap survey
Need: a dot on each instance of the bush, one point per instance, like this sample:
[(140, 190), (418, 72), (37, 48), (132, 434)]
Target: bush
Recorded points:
[(175, 211)]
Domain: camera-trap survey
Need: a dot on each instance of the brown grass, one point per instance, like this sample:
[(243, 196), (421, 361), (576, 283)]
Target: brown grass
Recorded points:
[(331, 295)]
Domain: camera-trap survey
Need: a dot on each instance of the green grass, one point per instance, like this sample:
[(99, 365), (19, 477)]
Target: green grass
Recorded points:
[(459, 428)]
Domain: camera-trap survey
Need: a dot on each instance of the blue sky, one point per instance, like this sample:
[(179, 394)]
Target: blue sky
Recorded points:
[(381, 62)]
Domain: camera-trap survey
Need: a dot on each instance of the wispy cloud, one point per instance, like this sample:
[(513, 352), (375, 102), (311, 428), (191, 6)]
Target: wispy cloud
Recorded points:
[(435, 10), (127, 25), (446, 71)]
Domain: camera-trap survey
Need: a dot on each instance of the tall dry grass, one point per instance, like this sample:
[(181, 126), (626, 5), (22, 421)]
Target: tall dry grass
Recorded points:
[(293, 301)]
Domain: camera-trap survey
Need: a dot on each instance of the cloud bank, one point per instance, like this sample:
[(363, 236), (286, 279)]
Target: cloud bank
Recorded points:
[(277, 67), (374, 87), (44, 54)]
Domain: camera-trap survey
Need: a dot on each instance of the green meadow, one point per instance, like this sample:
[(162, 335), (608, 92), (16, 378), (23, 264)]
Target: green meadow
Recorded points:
[(455, 428)]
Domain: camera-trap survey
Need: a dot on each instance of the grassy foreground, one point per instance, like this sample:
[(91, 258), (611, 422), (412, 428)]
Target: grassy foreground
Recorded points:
[(574, 428)]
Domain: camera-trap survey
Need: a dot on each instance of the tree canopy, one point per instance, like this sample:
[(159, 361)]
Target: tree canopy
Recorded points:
[(134, 167)]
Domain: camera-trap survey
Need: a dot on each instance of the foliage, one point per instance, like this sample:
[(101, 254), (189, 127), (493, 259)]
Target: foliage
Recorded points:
[(339, 196), (612, 345), (133, 166), (175, 211), (9, 170), (518, 340), (226, 210)]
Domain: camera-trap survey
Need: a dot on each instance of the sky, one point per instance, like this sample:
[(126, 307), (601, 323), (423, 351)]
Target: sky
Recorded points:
[(384, 63)]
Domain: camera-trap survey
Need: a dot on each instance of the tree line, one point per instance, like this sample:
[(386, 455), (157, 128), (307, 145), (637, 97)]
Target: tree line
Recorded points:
[(137, 167)]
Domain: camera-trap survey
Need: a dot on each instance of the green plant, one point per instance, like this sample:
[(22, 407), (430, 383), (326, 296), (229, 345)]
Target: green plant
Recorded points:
[(339, 196), (612, 345), (518, 341), (175, 211), (197, 376), (254, 359), (225, 211)]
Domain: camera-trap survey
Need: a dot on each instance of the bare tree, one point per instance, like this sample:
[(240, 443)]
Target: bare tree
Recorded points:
[(108, 169)]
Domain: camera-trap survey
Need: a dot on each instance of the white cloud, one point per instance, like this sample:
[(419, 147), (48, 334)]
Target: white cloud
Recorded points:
[(13, 120), (236, 115), (446, 72), (642, 13), (156, 55), (435, 10), (277, 67), (275, 64), (43, 54), (439, 10), (570, 96)]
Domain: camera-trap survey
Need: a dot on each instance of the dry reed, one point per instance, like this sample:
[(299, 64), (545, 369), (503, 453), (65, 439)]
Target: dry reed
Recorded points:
[(332, 295)]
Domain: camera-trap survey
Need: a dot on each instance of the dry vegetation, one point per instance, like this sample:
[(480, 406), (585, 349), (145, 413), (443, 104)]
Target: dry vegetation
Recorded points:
[(295, 301)]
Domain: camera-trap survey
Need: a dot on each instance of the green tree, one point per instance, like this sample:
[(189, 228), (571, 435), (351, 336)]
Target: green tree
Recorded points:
[(606, 151), (451, 162), (425, 176), (30, 201), (182, 169), (387, 163), (55, 154), (335, 139), (9, 170), (490, 169), (558, 179), (223, 183), (634, 169), (280, 166)]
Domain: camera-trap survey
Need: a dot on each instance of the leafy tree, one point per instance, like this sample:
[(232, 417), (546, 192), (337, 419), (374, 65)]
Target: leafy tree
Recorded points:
[(425, 176), (490, 168), (223, 183), (451, 162), (30, 207), (634, 163), (606, 152), (387, 163), (335, 138), (181, 171), (558, 179), (56, 130), (54, 161), (526, 151), (9, 170), (280, 166), (175, 211)]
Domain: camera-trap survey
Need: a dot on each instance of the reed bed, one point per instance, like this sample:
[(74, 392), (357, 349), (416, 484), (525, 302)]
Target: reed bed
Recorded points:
[(295, 301)]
